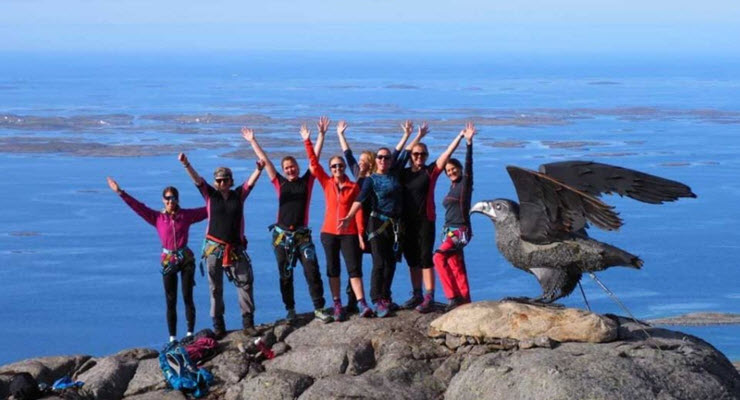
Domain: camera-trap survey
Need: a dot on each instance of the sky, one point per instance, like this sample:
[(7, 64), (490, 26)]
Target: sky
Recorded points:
[(413, 26)]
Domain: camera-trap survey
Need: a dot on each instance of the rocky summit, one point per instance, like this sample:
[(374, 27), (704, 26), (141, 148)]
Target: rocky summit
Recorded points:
[(485, 350)]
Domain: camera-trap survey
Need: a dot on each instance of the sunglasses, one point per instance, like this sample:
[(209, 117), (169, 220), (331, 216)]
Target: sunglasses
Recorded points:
[(383, 157), (223, 180), (170, 198), (334, 166), (419, 154)]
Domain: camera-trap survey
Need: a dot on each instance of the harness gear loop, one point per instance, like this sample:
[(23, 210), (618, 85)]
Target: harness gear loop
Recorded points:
[(291, 241), (173, 261), (228, 253)]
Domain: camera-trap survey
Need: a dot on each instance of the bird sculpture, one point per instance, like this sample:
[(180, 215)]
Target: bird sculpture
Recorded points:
[(545, 233)]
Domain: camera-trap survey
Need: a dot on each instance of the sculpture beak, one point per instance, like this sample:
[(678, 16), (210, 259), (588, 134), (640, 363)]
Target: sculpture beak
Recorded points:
[(484, 208)]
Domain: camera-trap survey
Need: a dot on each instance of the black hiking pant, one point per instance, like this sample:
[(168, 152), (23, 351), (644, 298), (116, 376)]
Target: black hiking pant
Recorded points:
[(384, 260), (306, 254), (187, 271)]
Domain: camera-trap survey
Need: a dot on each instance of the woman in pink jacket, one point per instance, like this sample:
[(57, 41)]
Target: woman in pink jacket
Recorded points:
[(172, 224)]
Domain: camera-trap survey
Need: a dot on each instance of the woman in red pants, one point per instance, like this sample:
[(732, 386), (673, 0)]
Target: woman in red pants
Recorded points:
[(449, 260)]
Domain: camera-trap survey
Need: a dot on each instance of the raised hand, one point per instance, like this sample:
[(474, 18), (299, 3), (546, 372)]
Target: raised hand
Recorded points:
[(323, 124), (407, 127), (113, 185), (423, 129), (260, 164), (469, 131), (247, 134), (341, 127), (182, 158), (305, 132)]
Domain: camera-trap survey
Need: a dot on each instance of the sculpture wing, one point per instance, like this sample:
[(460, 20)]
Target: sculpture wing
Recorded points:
[(596, 178), (550, 210)]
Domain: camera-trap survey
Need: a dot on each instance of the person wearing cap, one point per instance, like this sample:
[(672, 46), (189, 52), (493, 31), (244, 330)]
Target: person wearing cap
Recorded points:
[(173, 225), (291, 237), (224, 251)]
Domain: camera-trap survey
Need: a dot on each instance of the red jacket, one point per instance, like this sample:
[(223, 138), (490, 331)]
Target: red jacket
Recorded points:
[(338, 198)]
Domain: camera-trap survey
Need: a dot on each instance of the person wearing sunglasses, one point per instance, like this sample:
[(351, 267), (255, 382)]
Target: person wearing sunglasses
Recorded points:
[(339, 194), (225, 246), (172, 224), (383, 190), (449, 260), (291, 237), (360, 169), (419, 181)]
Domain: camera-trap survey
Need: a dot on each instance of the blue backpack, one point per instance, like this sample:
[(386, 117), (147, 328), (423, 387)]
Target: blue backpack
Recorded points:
[(181, 373)]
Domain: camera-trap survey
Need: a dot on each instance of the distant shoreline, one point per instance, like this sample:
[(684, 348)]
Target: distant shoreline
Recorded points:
[(698, 319)]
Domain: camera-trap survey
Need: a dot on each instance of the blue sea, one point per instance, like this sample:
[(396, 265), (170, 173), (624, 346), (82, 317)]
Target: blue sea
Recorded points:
[(79, 270)]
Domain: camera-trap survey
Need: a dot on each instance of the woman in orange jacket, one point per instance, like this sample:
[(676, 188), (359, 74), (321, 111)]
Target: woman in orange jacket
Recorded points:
[(339, 193)]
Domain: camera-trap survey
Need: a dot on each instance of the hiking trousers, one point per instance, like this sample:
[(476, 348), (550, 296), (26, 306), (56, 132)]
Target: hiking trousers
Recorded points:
[(187, 272), (305, 253), (384, 261), (242, 271), (449, 262)]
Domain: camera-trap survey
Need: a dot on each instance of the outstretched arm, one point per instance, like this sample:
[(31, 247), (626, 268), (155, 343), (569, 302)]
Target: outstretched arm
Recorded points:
[(140, 208), (255, 174), (423, 130), (407, 127), (197, 179), (248, 135), (322, 126), (341, 127), (444, 157)]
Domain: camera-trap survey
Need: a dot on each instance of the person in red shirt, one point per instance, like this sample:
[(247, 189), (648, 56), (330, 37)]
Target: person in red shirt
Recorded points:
[(339, 193)]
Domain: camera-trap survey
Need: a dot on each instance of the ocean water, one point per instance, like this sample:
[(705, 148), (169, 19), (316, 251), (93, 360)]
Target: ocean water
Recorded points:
[(78, 269)]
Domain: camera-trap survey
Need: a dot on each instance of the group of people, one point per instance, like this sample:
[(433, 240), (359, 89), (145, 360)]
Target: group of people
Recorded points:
[(388, 211)]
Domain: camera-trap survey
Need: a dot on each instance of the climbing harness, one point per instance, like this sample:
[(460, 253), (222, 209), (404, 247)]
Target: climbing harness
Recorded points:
[(229, 254), (394, 223), (293, 243), (173, 260)]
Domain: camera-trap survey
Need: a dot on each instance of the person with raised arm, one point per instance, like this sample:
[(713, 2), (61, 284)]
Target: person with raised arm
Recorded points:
[(291, 237), (225, 246), (449, 260), (339, 194), (383, 190), (360, 170), (173, 225), (419, 216)]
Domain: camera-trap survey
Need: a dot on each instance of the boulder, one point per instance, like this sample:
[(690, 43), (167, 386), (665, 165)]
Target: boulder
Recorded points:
[(493, 319), (669, 365), (368, 386), (109, 378), (314, 361), (159, 395), (275, 384), (148, 378), (47, 369), (230, 366)]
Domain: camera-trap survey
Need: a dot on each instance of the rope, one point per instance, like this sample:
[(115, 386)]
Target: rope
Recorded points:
[(585, 300)]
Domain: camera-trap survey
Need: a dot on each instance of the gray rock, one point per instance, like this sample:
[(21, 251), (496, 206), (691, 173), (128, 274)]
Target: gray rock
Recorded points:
[(314, 361), (148, 378), (282, 332), (109, 378), (674, 366), (275, 384), (229, 367), (368, 386), (360, 358), (46, 369), (137, 354), (4, 383), (454, 341), (449, 368), (280, 348), (158, 395)]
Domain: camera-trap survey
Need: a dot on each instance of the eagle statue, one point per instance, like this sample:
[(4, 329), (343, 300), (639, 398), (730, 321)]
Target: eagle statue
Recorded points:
[(545, 233)]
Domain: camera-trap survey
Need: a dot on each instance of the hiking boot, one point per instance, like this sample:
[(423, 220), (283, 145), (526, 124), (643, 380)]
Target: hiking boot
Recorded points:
[(322, 315), (365, 311), (381, 308), (427, 305), (391, 305), (414, 301), (351, 307), (454, 303), (338, 312), (248, 324), (219, 327), (290, 317)]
